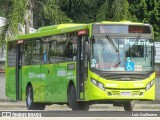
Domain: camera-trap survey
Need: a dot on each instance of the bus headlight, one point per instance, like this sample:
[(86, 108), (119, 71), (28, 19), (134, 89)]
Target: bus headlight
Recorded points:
[(98, 84), (149, 85)]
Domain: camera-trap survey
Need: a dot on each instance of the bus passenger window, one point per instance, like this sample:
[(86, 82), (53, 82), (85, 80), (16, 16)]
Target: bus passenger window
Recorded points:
[(69, 50), (45, 50), (71, 47), (11, 58), (52, 51), (28, 52)]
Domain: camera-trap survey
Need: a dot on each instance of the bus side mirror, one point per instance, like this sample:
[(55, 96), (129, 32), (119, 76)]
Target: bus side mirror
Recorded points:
[(93, 39), (86, 54), (154, 50), (86, 48)]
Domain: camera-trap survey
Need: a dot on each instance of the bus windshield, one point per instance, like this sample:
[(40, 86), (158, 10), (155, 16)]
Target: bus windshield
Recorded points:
[(131, 54)]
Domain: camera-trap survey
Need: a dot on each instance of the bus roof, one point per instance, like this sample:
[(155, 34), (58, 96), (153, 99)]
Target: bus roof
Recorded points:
[(66, 28), (123, 22), (50, 30)]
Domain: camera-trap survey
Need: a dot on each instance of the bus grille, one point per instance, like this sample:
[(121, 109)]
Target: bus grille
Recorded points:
[(124, 77)]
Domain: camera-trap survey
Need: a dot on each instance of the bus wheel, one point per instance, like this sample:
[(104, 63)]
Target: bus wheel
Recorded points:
[(128, 106), (72, 100), (29, 101)]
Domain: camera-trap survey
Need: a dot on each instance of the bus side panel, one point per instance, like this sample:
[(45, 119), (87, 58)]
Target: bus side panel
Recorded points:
[(47, 77), (65, 72), (60, 83), (55, 79), (10, 83), (71, 74), (49, 82), (24, 81), (32, 74)]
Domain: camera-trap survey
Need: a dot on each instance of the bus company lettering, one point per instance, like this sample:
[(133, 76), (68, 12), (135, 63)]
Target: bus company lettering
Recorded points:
[(34, 75), (138, 43), (70, 75), (61, 73), (111, 85)]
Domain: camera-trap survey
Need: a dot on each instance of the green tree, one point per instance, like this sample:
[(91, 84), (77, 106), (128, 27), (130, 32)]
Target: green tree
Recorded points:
[(48, 12), (13, 10), (21, 12), (120, 10), (114, 10), (147, 11), (77, 10)]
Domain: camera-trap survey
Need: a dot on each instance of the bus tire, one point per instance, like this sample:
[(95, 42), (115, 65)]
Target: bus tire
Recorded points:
[(128, 106), (30, 103), (73, 104)]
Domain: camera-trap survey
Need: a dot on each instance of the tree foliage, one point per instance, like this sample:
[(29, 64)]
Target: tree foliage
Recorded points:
[(20, 12), (147, 11), (49, 12), (13, 10), (78, 10), (114, 10)]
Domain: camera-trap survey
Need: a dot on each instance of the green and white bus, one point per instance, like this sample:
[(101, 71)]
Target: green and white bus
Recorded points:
[(82, 64)]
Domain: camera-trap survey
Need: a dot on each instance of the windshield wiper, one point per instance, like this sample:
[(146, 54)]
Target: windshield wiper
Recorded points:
[(113, 43), (119, 61)]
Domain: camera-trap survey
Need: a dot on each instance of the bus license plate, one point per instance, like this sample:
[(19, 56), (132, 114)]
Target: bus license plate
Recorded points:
[(125, 93)]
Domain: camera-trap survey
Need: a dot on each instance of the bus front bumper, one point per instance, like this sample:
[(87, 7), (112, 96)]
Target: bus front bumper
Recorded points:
[(96, 93)]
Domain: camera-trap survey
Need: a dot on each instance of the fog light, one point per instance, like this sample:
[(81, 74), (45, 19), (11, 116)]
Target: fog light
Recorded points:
[(141, 93), (109, 93)]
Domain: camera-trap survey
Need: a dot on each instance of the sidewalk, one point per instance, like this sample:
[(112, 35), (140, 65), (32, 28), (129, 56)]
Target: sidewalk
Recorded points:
[(11, 104)]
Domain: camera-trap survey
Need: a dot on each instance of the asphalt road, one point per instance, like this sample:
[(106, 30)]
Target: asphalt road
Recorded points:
[(139, 106), (144, 110)]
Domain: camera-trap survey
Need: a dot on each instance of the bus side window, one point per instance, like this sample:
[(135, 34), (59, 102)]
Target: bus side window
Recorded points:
[(52, 51), (27, 52), (69, 50), (71, 46), (36, 51), (11, 57), (61, 48), (45, 50)]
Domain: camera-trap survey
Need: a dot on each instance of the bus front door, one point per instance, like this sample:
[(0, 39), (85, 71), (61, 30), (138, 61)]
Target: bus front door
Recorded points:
[(81, 67)]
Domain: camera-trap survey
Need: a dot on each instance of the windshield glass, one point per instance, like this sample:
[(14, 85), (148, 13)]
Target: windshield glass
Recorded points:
[(122, 54)]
